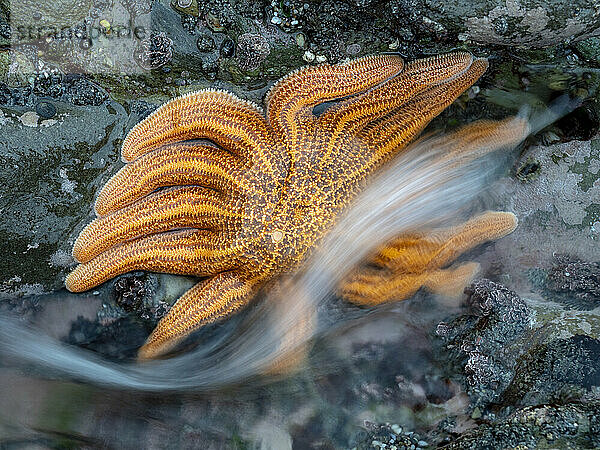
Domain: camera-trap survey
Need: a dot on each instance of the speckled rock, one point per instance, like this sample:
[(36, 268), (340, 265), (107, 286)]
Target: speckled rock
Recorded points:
[(562, 202), (574, 282), (518, 22), (488, 341), (50, 179), (569, 427)]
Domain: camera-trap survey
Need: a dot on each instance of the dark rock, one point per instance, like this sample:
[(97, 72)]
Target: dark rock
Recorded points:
[(387, 436), (577, 283), (487, 341), (581, 124), (556, 372), (45, 109), (569, 427), (118, 341), (130, 291)]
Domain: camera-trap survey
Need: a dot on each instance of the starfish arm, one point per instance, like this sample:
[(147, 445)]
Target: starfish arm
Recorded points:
[(452, 282), (174, 165), (414, 260), (436, 249), (291, 99), (479, 138), (169, 209), (395, 130), (350, 116), (209, 301), (234, 124), (187, 252), (376, 286)]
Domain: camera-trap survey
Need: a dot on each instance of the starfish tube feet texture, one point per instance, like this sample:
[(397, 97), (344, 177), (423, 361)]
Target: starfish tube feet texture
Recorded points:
[(214, 187)]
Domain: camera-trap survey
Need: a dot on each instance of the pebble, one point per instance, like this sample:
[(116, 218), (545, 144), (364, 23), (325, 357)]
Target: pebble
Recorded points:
[(321, 58), (308, 56), (48, 122), (275, 20), (29, 119), (300, 40)]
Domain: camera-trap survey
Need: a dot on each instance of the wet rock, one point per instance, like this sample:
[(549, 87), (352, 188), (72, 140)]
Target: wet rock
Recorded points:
[(557, 372), (488, 341), (569, 427), (252, 50), (49, 182), (118, 341), (577, 281)]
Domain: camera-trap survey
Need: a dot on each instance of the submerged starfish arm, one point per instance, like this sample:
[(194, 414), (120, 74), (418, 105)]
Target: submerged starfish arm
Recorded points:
[(414, 260), (372, 287), (435, 249)]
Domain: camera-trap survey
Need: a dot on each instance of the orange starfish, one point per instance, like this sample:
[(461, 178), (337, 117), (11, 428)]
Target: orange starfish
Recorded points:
[(253, 194)]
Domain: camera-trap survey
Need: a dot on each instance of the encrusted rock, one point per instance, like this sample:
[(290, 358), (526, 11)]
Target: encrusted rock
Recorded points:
[(578, 281), (252, 49), (154, 52), (569, 427)]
